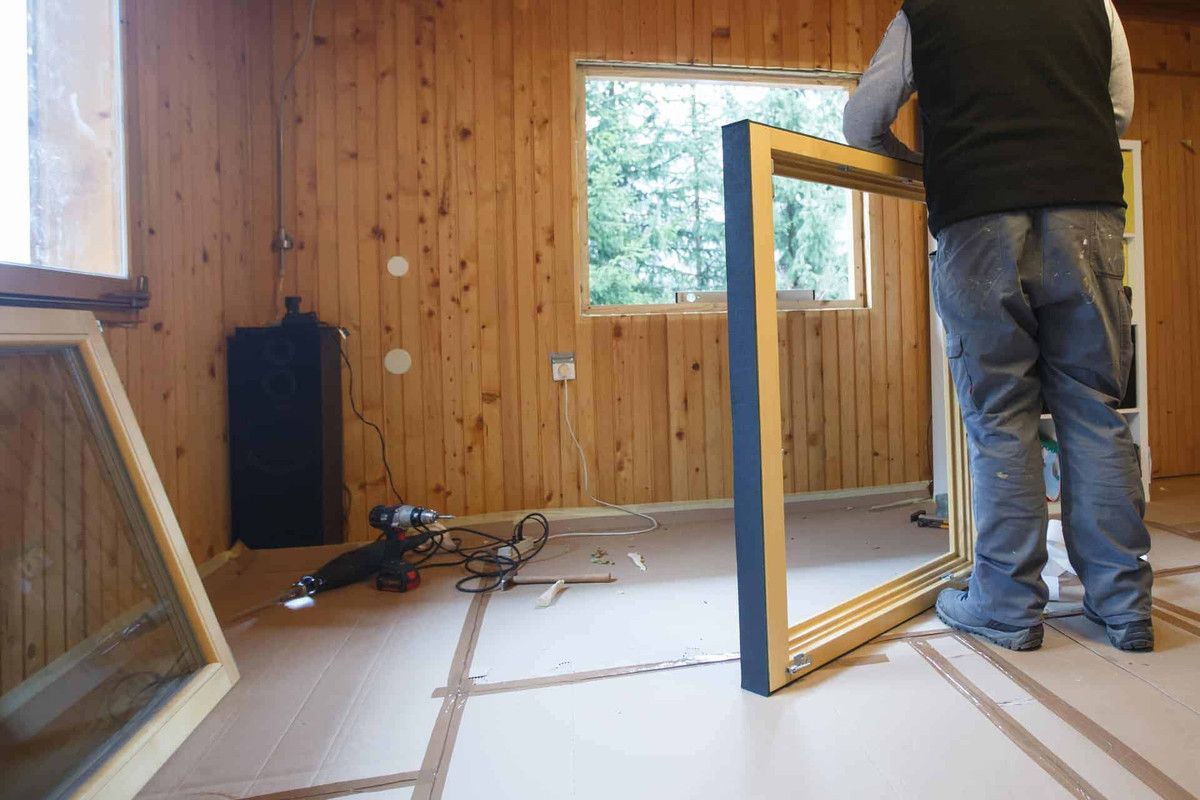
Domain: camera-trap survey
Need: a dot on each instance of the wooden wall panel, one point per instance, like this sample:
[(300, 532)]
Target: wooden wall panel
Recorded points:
[(1166, 119), (1163, 46), (205, 171), (451, 144)]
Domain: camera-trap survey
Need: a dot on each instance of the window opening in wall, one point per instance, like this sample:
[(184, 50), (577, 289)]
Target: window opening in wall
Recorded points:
[(652, 165), (62, 198)]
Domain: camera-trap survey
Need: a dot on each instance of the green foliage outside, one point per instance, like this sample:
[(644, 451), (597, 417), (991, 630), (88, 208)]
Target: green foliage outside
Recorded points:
[(656, 217)]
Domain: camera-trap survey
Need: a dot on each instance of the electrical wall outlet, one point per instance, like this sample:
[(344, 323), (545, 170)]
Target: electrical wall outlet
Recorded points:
[(562, 366)]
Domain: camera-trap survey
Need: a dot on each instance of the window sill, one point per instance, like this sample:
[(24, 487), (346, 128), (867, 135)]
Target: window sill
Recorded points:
[(110, 298), (717, 308)]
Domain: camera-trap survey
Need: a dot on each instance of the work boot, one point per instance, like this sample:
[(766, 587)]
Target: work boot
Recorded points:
[(951, 609), (1132, 636)]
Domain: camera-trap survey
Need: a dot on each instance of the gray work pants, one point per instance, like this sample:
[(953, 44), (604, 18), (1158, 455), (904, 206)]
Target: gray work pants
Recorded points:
[(1033, 308)]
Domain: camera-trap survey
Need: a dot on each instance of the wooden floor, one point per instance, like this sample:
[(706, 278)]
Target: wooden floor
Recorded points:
[(631, 689)]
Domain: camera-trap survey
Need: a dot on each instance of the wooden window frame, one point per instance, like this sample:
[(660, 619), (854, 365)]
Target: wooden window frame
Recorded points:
[(131, 765), (773, 652), (656, 72), (113, 299)]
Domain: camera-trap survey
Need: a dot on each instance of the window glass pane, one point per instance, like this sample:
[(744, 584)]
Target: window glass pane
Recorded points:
[(14, 133), (92, 637), (62, 202), (814, 238), (655, 194)]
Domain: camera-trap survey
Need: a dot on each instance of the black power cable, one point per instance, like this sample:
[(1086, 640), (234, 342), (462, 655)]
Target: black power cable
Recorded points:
[(488, 568), (382, 444)]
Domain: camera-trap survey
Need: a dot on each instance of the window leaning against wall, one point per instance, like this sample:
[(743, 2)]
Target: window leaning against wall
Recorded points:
[(654, 217), (64, 236)]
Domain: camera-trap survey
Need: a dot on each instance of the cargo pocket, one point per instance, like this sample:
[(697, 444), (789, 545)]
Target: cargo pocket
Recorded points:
[(1108, 258), (963, 384), (1108, 243)]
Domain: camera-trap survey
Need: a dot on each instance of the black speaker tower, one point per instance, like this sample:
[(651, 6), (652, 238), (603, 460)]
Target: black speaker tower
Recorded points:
[(285, 432)]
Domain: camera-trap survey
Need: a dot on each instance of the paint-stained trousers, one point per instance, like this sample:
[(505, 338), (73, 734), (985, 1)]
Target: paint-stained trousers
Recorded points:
[(1033, 307)]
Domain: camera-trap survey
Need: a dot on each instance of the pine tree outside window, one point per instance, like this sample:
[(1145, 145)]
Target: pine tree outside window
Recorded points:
[(653, 221)]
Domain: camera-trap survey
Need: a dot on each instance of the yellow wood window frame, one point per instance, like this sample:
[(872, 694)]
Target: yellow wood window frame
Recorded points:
[(130, 766), (774, 652), (658, 72)]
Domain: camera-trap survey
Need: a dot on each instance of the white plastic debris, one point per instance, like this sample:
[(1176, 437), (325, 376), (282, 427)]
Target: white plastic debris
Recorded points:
[(546, 598), (1058, 570), (637, 560)]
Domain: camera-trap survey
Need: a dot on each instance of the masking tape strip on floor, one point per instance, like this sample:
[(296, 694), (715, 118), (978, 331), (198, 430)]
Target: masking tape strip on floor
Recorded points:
[(524, 684), (589, 675), (1179, 622), (904, 637), (343, 788), (437, 780), (1118, 751), (1054, 766), (445, 730), (1169, 571), (1175, 529), (1177, 609)]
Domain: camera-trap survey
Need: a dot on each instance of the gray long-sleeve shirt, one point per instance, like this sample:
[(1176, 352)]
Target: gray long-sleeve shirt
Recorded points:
[(888, 84)]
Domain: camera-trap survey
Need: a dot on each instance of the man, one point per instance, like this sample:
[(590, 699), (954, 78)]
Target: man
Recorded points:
[(1021, 106)]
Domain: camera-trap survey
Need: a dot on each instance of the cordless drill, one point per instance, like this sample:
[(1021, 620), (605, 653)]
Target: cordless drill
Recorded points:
[(384, 558), (396, 573)]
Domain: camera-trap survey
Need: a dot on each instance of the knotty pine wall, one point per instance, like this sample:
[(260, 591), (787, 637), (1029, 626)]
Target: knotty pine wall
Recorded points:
[(1167, 113), (398, 100), (203, 170), (443, 132)]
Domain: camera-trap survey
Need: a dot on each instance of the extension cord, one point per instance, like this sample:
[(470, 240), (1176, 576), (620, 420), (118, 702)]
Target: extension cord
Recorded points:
[(520, 547)]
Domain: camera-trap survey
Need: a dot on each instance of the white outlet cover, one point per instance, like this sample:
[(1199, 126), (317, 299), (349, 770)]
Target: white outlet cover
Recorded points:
[(398, 266), (397, 361)]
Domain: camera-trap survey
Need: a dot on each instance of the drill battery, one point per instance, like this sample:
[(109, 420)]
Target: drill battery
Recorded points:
[(397, 575)]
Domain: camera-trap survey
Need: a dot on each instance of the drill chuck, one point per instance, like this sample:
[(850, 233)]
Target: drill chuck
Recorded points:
[(403, 517)]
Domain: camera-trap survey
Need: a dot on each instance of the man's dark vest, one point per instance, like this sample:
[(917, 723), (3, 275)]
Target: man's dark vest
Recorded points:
[(1015, 107)]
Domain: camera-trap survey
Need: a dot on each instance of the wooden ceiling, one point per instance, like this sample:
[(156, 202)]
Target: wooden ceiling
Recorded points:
[(1167, 10)]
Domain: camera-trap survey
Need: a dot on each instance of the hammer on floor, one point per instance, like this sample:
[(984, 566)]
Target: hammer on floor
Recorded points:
[(923, 520)]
